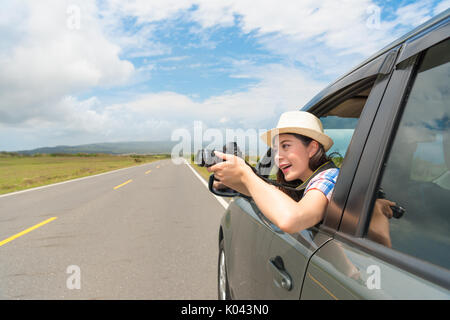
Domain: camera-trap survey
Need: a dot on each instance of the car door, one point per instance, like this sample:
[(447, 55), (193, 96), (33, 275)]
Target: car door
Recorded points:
[(346, 109), (407, 156), (249, 246)]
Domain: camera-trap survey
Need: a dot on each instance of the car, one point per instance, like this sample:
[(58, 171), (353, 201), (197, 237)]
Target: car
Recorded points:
[(389, 117)]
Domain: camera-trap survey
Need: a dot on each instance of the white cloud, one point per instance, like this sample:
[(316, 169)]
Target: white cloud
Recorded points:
[(46, 65), (306, 31), (147, 11), (414, 14), (341, 25), (135, 40), (155, 116), (442, 6), (51, 60)]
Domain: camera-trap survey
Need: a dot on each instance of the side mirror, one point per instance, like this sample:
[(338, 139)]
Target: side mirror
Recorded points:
[(227, 192)]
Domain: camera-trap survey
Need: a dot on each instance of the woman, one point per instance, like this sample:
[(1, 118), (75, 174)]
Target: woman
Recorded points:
[(299, 143)]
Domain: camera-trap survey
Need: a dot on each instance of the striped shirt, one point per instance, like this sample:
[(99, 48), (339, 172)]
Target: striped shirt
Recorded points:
[(324, 182)]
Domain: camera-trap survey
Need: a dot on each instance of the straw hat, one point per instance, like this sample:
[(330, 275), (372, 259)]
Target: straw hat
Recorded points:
[(300, 122)]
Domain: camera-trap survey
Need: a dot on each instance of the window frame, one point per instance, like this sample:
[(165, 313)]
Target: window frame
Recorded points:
[(377, 74), (357, 213), (426, 39)]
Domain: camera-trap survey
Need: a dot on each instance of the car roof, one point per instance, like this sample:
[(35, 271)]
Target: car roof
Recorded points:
[(325, 92)]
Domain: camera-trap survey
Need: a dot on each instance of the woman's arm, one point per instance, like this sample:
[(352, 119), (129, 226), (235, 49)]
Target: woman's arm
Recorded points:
[(289, 215)]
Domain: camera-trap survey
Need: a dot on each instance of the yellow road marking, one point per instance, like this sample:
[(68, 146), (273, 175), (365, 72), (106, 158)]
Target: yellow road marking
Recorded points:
[(323, 287), (121, 185), (26, 231), (147, 172)]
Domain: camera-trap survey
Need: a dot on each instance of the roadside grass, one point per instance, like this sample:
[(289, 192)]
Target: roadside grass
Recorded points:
[(20, 172), (202, 171)]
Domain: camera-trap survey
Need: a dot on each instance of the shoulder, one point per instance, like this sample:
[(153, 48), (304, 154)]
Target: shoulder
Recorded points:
[(329, 174), (324, 182)]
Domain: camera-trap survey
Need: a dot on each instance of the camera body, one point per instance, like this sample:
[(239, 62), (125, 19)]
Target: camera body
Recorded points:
[(207, 158), (397, 211)]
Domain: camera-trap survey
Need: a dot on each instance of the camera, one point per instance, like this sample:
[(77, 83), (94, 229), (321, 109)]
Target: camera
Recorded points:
[(207, 158), (397, 211)]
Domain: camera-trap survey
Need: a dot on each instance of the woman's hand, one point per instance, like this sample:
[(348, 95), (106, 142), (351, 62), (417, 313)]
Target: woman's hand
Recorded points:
[(379, 230), (218, 185), (384, 206), (230, 172)]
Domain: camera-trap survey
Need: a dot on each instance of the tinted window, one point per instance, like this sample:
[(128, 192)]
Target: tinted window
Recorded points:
[(341, 131), (340, 122), (416, 175)]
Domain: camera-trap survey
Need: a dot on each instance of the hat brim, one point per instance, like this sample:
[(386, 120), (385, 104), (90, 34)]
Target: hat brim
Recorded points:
[(322, 138)]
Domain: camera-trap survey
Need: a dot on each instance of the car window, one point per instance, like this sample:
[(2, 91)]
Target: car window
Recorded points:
[(416, 172), (339, 122)]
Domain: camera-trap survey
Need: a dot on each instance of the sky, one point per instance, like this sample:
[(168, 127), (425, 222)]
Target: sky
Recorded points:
[(78, 72)]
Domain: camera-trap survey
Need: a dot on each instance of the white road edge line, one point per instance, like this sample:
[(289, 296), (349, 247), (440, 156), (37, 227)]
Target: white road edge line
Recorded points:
[(77, 179), (221, 201)]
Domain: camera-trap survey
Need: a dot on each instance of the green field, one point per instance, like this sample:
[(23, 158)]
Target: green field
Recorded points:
[(19, 172)]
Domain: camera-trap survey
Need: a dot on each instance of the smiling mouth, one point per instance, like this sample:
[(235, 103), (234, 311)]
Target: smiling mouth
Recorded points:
[(285, 168)]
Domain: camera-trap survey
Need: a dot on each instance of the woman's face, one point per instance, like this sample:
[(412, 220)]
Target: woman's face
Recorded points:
[(292, 156)]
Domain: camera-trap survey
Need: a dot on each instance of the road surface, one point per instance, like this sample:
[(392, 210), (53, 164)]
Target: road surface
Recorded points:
[(146, 232)]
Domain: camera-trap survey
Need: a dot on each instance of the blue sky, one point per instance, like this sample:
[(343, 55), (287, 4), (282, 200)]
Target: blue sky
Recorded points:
[(76, 72)]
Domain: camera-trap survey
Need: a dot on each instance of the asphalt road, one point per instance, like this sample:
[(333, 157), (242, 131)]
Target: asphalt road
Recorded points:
[(154, 237)]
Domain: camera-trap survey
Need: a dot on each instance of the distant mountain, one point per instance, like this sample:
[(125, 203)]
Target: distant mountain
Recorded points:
[(137, 147), (150, 147)]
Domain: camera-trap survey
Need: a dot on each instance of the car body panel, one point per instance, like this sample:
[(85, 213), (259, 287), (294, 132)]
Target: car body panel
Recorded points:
[(425, 39), (374, 150), (294, 250), (321, 261), (248, 249), (332, 92), (328, 277), (402, 276), (347, 171)]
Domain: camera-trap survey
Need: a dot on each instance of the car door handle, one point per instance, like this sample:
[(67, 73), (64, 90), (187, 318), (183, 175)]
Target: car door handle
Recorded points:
[(280, 277)]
